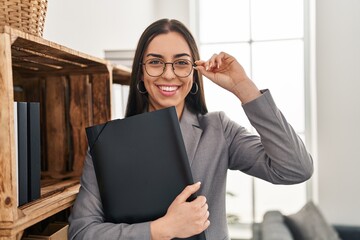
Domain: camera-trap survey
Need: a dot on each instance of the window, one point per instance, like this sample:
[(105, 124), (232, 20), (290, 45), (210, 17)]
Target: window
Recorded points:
[(267, 38)]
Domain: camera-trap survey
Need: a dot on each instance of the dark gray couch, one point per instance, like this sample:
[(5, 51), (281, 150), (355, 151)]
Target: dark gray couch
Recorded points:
[(276, 226)]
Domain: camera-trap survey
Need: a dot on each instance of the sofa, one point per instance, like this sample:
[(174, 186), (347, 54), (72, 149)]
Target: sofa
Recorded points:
[(307, 224)]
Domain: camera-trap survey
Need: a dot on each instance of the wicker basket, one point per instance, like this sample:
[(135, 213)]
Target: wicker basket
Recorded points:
[(25, 15)]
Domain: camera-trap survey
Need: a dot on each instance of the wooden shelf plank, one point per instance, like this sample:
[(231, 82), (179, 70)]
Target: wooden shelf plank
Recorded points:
[(43, 46), (121, 75), (34, 55), (55, 198)]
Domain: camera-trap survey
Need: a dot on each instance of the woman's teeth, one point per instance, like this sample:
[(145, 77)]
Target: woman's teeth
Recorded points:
[(168, 88)]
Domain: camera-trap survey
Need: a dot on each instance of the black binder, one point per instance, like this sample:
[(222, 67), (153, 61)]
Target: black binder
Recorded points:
[(22, 153), (140, 164), (34, 150)]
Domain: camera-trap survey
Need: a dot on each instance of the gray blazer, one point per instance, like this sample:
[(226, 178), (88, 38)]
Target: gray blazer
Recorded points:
[(214, 144)]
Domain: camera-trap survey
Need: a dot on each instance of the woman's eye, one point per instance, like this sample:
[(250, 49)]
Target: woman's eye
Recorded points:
[(155, 62), (182, 62)]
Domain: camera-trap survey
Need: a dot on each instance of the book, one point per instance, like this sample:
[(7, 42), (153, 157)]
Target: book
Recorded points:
[(16, 150), (141, 165), (34, 151), (22, 152)]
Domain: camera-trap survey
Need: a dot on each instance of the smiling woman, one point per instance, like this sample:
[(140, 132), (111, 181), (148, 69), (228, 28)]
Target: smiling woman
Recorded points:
[(166, 77), (152, 48), (163, 76)]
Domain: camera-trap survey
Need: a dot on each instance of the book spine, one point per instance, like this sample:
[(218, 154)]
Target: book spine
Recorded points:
[(34, 151), (16, 149), (22, 153)]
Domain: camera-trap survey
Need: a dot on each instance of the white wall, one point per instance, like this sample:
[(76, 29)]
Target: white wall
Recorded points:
[(338, 85), (92, 26)]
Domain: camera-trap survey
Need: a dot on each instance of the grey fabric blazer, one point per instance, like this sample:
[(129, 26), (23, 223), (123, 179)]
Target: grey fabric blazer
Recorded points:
[(214, 144)]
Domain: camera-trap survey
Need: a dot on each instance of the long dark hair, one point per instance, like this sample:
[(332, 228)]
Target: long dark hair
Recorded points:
[(138, 102)]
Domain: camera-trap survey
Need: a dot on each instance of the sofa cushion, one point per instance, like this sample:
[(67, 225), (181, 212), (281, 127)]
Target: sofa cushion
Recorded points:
[(274, 227), (309, 224)]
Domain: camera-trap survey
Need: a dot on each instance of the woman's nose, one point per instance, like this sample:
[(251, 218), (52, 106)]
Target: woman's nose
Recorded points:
[(168, 71)]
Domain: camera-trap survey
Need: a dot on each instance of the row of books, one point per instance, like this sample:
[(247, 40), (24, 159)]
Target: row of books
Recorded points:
[(28, 150)]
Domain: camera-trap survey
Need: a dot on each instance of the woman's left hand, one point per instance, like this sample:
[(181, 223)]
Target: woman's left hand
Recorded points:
[(224, 70)]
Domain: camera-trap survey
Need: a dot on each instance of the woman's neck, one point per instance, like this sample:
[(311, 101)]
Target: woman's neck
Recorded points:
[(179, 109)]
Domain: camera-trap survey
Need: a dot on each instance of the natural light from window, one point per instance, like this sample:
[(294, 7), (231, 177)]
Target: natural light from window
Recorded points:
[(267, 38)]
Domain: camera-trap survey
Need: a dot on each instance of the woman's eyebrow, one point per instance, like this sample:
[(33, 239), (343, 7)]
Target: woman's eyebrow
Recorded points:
[(161, 56), (181, 55), (154, 55)]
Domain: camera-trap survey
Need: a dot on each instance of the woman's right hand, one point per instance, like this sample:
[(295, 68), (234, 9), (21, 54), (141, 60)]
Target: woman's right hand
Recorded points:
[(183, 219), (224, 70)]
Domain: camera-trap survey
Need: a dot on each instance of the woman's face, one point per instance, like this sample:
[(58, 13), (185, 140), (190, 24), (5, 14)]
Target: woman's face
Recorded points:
[(167, 89)]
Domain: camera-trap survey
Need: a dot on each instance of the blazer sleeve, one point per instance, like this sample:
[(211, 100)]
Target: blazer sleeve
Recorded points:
[(87, 219), (277, 154)]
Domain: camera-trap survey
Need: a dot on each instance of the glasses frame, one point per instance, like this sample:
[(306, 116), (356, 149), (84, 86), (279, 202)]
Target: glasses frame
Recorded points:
[(172, 66)]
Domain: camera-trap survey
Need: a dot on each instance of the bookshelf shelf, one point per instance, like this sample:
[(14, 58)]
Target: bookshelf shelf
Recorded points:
[(55, 198), (74, 91)]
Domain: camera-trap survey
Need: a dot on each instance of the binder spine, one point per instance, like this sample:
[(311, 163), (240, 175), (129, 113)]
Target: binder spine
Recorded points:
[(181, 145), (34, 151), (22, 153)]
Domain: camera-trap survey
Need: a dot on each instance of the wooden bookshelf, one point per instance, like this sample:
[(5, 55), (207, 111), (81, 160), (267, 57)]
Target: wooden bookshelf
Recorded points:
[(74, 91)]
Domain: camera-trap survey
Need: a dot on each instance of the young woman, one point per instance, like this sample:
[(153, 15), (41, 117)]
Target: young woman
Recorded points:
[(167, 71)]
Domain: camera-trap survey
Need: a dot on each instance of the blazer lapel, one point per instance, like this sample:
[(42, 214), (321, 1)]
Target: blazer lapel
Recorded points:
[(191, 132)]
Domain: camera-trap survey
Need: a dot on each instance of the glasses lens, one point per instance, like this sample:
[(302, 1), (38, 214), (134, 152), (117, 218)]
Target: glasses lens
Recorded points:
[(154, 67), (182, 67)]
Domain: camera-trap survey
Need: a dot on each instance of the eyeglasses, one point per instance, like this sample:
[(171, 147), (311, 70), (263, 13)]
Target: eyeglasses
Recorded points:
[(156, 67)]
